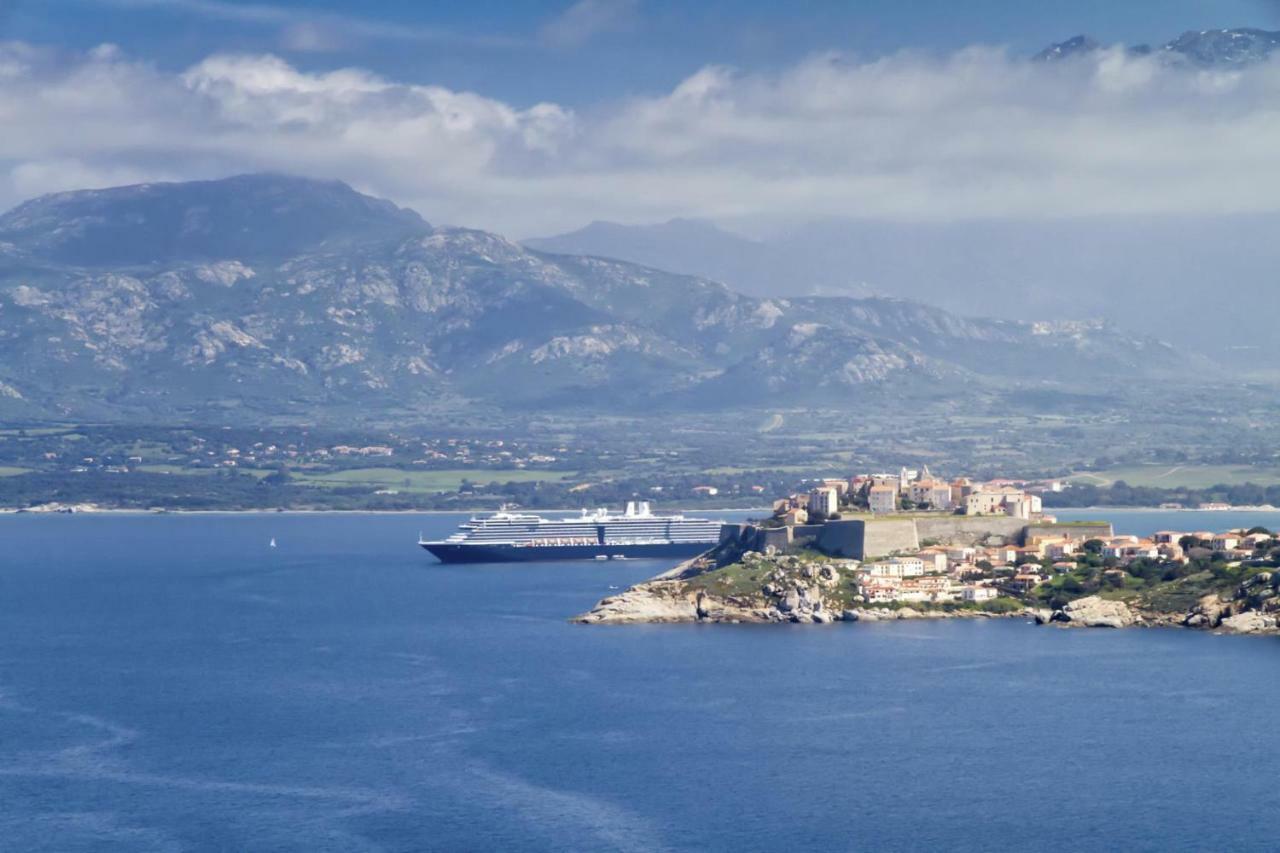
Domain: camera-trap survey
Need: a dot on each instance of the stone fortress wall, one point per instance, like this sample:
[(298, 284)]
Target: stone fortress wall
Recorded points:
[(873, 538)]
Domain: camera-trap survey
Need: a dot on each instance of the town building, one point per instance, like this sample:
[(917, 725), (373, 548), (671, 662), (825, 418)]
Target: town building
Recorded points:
[(882, 499), (824, 500)]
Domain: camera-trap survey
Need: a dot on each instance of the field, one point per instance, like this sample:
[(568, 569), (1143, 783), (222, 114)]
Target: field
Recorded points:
[(8, 471), (424, 481), (179, 470), (1188, 476)]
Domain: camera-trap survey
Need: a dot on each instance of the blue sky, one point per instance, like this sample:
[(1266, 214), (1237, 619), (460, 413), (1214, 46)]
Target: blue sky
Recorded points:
[(596, 50)]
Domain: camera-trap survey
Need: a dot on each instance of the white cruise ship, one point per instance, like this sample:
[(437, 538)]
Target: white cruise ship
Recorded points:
[(506, 537)]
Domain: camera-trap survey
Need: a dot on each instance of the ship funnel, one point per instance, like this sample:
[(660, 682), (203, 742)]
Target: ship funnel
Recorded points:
[(631, 508)]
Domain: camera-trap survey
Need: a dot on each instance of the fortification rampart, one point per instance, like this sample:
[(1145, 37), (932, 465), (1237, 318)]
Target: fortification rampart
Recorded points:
[(873, 538)]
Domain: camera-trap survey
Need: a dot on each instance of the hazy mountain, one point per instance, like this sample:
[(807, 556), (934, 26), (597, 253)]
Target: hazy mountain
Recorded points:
[(1199, 48), (361, 310), (1148, 275), (1074, 46), (1208, 48), (691, 246)]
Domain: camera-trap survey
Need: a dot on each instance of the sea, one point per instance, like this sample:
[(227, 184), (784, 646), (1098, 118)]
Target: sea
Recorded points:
[(173, 683)]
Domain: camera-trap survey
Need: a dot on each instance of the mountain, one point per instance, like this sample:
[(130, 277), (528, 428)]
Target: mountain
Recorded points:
[(362, 311), (1148, 274), (691, 246), (1074, 46), (1196, 48), (1211, 48), (250, 217)]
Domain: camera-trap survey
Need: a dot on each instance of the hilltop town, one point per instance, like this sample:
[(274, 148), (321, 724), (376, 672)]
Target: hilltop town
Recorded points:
[(976, 562), (914, 491)]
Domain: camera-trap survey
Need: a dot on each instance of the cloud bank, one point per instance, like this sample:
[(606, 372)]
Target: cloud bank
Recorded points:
[(977, 134)]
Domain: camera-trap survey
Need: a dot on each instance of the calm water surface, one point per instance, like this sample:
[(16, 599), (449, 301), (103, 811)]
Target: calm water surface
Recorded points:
[(170, 683)]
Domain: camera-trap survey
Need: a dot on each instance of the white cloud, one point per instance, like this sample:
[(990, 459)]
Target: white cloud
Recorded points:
[(587, 19), (973, 135)]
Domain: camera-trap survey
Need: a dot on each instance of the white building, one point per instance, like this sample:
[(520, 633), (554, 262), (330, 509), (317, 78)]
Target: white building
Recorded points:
[(883, 499), (904, 567), (972, 592), (825, 500)]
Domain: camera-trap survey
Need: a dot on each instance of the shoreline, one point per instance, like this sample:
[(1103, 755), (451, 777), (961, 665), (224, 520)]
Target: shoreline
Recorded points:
[(270, 511), (1055, 510), (476, 510)]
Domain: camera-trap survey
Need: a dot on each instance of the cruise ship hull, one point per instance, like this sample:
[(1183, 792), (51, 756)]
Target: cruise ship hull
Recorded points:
[(462, 552)]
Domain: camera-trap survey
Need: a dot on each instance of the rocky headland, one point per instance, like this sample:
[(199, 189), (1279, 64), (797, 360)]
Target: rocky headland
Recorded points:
[(810, 588)]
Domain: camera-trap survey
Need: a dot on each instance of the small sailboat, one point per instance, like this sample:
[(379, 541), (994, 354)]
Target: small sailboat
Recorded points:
[(272, 543)]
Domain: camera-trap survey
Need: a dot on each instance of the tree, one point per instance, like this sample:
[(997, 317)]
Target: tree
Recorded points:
[(279, 477), (1094, 546)]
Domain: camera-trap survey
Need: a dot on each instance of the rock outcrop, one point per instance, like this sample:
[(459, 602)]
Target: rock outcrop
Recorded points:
[(754, 588), (1095, 612), (729, 585), (1253, 609), (1249, 622), (656, 601)]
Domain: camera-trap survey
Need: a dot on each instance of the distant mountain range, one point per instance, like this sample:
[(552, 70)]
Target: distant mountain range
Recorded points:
[(1149, 275), (263, 296), (1197, 48)]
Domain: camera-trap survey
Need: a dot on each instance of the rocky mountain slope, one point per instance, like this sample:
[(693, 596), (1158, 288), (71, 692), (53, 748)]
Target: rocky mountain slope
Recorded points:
[(1227, 48), (270, 296)]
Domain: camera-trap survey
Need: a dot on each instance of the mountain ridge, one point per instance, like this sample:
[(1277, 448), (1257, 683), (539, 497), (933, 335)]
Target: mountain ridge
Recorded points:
[(1232, 48), (373, 323), (277, 215)]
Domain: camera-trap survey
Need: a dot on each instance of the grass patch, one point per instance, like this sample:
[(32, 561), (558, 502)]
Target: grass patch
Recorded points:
[(422, 481), (734, 579), (1181, 476), (179, 470)]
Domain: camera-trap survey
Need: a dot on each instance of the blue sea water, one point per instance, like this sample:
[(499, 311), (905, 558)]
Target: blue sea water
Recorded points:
[(171, 683)]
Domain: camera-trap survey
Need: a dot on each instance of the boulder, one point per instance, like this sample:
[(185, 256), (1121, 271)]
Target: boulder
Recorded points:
[(1208, 612), (1095, 612), (1249, 622)]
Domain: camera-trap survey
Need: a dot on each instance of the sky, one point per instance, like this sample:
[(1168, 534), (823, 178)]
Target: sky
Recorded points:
[(531, 118)]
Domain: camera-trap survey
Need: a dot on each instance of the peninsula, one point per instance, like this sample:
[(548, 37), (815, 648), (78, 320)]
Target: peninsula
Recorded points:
[(980, 551)]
